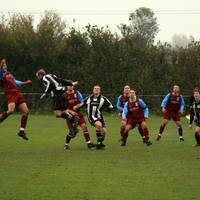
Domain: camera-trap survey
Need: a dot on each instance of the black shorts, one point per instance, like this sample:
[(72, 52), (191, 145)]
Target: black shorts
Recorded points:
[(92, 122), (59, 102)]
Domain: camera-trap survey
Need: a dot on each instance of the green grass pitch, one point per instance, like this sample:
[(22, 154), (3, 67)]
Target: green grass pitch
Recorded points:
[(39, 169)]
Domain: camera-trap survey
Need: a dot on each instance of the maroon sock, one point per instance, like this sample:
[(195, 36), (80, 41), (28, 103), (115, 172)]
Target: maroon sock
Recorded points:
[(86, 135), (162, 127), (67, 140), (141, 131), (23, 121), (122, 128), (3, 116), (146, 134)]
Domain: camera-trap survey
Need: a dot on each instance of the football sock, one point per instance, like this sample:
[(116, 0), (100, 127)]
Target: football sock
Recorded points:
[(180, 131), (141, 131), (146, 134), (86, 135), (100, 137), (162, 127), (197, 137), (67, 140), (24, 121), (3, 116)]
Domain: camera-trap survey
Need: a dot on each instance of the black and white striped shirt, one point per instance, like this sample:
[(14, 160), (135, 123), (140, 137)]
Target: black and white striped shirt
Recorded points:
[(54, 85), (195, 111), (95, 106)]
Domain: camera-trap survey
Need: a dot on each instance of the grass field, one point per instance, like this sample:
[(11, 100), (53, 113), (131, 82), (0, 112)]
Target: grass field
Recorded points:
[(41, 170)]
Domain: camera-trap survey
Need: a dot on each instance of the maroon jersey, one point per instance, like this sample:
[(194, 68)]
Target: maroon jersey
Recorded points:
[(134, 110), (173, 104), (72, 99), (8, 84), (123, 100)]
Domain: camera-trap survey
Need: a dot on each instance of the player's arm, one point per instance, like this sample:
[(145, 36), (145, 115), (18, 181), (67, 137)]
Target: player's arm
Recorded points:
[(125, 111), (182, 105), (165, 102), (65, 82), (80, 97), (107, 103), (144, 107), (192, 114), (119, 105), (20, 83), (81, 105)]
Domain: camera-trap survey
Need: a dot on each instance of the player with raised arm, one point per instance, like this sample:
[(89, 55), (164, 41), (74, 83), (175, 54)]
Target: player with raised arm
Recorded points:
[(95, 103), (14, 97), (135, 113), (172, 106), (56, 88), (73, 98), (195, 114), (122, 99)]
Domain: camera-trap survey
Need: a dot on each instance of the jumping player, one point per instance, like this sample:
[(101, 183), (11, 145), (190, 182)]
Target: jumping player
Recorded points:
[(14, 97), (95, 103), (73, 98), (172, 107), (135, 113), (56, 87)]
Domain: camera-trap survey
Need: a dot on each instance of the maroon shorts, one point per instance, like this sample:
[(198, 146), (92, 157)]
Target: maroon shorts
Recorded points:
[(15, 97), (172, 115), (134, 121), (81, 120)]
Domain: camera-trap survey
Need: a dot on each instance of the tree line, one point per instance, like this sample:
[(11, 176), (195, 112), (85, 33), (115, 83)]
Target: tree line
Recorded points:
[(96, 55)]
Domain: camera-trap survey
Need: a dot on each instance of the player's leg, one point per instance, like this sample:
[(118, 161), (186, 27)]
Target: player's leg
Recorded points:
[(86, 134), (180, 130), (100, 133), (25, 112), (162, 127), (140, 130), (128, 127), (10, 110), (197, 135), (146, 133)]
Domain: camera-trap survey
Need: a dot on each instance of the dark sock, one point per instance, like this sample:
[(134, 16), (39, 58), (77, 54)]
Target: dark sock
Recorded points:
[(162, 127), (67, 140), (23, 121), (197, 137), (3, 116), (100, 137), (180, 131)]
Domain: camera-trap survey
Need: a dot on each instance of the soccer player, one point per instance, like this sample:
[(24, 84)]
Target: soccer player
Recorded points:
[(172, 107), (14, 97), (135, 113), (192, 100), (122, 99), (73, 98), (56, 87), (95, 104), (195, 113)]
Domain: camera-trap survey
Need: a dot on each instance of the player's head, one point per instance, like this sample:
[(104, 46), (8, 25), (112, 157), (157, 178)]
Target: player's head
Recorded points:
[(176, 89), (196, 94), (70, 88), (132, 94), (40, 73), (127, 89), (3, 64), (96, 90)]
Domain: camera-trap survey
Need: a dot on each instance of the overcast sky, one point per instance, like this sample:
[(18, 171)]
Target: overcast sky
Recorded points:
[(173, 16)]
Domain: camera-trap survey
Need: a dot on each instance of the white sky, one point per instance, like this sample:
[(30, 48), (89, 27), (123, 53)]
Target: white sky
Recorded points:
[(114, 12)]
